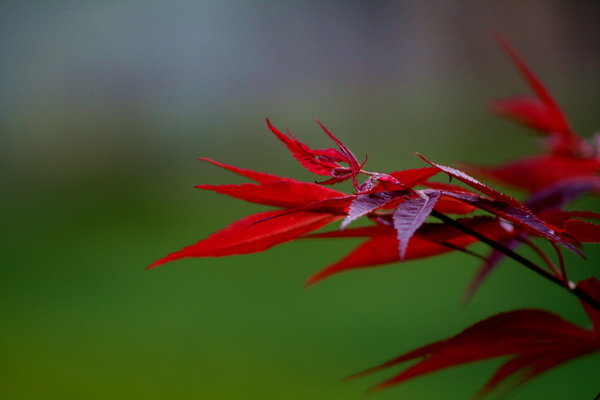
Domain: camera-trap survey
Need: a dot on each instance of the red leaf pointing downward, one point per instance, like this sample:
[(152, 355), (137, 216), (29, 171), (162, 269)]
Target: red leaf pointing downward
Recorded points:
[(410, 215)]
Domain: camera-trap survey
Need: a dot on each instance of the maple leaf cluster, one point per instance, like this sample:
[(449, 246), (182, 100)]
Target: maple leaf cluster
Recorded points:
[(400, 206)]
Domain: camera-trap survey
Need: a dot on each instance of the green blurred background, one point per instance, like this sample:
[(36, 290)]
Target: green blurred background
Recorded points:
[(104, 107)]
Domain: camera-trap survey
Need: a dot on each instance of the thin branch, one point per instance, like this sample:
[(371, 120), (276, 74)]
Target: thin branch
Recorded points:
[(519, 258)]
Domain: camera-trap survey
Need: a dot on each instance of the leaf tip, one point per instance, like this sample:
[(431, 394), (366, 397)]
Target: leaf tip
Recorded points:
[(321, 275), (271, 127), (155, 264), (171, 257), (314, 279), (378, 388)]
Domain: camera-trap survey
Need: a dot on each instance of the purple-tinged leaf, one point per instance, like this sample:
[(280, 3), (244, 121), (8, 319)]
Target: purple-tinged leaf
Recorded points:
[(520, 216), (367, 203), (411, 214), (372, 181), (367, 185), (472, 182)]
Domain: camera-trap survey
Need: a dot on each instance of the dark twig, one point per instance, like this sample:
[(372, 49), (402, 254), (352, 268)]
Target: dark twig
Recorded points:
[(519, 258)]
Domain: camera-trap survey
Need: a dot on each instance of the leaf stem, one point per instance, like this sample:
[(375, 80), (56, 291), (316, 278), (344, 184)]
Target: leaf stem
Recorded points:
[(519, 258), (543, 256), (561, 261)]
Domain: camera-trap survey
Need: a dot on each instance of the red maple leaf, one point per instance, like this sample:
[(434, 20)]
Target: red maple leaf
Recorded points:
[(534, 340), (569, 156), (541, 112), (323, 161), (307, 207), (430, 239), (534, 173), (402, 210)]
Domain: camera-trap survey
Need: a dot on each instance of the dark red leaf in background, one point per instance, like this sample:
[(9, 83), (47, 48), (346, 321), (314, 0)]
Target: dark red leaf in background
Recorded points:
[(530, 111), (536, 85), (541, 112), (540, 171), (559, 218), (582, 231)]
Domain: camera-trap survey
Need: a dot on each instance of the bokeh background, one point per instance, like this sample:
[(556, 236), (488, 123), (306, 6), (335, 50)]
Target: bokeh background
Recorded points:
[(104, 107)]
